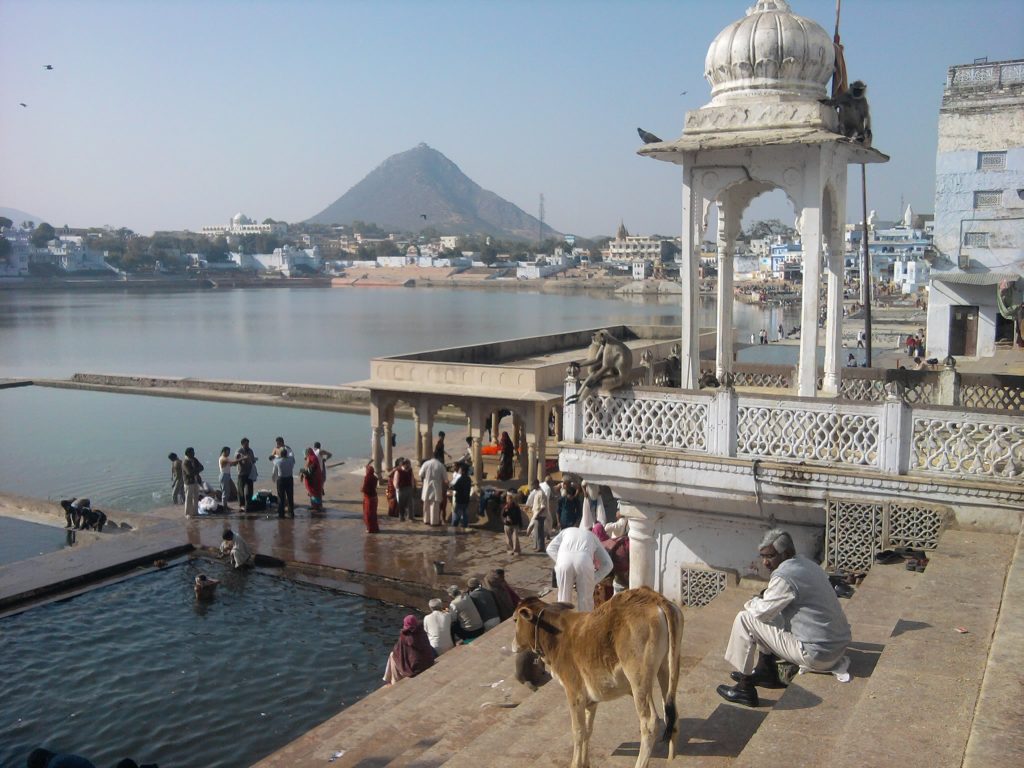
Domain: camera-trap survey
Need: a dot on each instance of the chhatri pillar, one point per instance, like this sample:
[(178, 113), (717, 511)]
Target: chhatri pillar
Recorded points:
[(765, 129)]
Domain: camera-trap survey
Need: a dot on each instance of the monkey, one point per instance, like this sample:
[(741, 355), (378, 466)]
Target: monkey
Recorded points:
[(613, 364), (854, 116)]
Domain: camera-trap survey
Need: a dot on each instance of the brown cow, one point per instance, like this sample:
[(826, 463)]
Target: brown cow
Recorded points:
[(615, 650)]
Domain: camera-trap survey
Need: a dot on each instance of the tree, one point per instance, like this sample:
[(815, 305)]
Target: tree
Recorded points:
[(769, 228), (5, 249), (216, 249), (41, 235)]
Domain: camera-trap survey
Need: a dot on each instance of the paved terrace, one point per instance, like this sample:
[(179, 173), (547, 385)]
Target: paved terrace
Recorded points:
[(919, 688)]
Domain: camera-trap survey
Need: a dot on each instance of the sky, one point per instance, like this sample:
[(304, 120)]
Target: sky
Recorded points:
[(178, 114)]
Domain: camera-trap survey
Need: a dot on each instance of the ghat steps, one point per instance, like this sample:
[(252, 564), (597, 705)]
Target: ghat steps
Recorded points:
[(919, 687)]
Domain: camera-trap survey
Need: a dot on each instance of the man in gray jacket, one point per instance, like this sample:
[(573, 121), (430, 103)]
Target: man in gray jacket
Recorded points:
[(796, 618)]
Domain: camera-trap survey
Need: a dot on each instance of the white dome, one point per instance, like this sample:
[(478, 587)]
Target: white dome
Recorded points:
[(769, 51), (239, 219)]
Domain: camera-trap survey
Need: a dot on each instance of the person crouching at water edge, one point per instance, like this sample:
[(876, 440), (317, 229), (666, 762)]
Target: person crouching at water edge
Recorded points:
[(412, 653), (234, 546)]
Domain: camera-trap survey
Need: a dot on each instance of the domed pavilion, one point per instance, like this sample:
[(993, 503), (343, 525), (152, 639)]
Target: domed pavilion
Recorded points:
[(765, 129)]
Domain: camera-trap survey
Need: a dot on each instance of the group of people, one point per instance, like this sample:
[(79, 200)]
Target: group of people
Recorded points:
[(915, 344), (80, 515), (188, 487), (469, 614)]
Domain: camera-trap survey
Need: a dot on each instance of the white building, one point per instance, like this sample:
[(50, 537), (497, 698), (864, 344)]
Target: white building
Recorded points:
[(287, 261), (629, 248), (979, 208), (71, 254), (642, 270), (242, 225)]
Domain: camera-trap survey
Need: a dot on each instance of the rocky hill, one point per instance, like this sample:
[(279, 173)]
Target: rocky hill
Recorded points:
[(422, 188)]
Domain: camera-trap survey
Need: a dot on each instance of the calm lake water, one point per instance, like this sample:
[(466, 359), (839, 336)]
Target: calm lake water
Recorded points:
[(179, 683), (113, 448)]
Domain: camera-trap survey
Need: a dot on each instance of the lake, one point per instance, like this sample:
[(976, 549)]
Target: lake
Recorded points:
[(113, 447)]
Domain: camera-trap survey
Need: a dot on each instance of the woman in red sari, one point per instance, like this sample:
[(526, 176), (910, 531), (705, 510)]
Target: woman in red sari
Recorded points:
[(370, 500), (412, 653), (313, 478)]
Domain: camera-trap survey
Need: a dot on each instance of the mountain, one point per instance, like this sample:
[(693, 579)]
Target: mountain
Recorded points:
[(400, 191), (19, 216)]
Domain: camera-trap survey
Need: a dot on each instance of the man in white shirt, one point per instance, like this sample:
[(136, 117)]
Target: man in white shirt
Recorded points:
[(796, 618), (432, 477), (537, 505), (547, 487), (438, 626), (581, 562)]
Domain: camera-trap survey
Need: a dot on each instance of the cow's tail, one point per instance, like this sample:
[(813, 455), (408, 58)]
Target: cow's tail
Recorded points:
[(675, 638)]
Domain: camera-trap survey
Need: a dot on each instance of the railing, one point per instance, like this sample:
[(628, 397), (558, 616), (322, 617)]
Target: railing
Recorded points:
[(677, 420), (942, 387), (893, 437), (808, 431), (985, 75), (968, 445)]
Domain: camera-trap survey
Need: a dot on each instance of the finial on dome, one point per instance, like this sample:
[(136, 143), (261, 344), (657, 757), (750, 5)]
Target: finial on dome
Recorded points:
[(761, 6)]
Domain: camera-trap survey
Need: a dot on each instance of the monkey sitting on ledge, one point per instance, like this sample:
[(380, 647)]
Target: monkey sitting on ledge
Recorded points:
[(854, 115)]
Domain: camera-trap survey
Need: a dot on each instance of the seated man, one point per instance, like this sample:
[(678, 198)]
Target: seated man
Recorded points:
[(438, 626), (466, 621), (796, 618), (235, 547), (485, 604)]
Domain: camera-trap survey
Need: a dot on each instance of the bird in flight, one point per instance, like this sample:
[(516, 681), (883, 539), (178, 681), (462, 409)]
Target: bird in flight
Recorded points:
[(22, 103), (48, 66), (647, 138), (423, 216)]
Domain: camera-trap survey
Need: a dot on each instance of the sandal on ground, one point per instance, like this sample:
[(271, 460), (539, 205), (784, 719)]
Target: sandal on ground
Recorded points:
[(888, 557)]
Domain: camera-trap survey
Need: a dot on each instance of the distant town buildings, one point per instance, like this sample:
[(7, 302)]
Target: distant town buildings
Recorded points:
[(979, 209), (627, 248)]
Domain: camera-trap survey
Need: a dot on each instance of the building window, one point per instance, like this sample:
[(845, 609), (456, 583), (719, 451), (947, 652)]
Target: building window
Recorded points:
[(991, 161), (987, 199), (976, 239)]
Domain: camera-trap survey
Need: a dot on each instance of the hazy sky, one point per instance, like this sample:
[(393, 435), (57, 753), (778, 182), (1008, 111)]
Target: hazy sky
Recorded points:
[(166, 115)]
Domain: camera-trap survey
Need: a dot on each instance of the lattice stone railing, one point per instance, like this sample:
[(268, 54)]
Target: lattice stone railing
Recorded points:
[(808, 432), (661, 419), (855, 531), (699, 586), (967, 445), (982, 75), (991, 392)]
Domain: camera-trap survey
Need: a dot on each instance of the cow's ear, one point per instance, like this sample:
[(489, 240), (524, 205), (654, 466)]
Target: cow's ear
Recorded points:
[(526, 614)]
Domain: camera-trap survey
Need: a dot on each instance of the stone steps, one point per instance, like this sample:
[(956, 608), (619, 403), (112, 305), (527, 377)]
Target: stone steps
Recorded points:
[(820, 705), (996, 736), (915, 678), (403, 718)]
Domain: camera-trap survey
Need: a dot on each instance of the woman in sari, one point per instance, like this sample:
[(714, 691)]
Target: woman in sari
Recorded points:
[(508, 453), (370, 500), (412, 653), (313, 479)]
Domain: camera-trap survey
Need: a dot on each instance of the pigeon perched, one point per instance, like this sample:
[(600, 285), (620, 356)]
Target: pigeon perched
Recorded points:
[(647, 138)]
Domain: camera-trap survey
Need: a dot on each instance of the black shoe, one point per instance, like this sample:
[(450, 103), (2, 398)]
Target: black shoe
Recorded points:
[(736, 695), (760, 679)]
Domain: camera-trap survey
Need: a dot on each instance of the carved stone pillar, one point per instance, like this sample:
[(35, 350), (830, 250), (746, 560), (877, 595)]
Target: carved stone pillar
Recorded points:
[(375, 449), (810, 238), (643, 547), (572, 412), (832, 381), (728, 230), (689, 342), (389, 458), (478, 463)]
